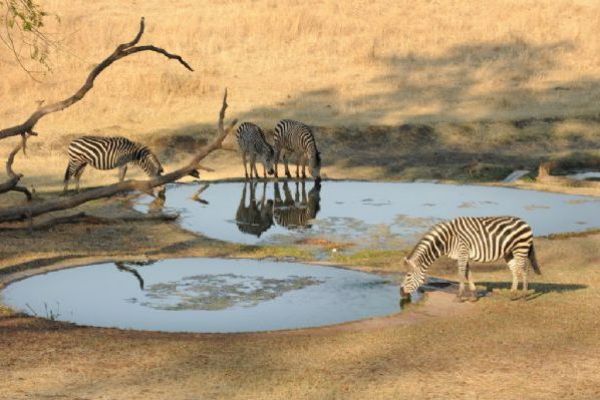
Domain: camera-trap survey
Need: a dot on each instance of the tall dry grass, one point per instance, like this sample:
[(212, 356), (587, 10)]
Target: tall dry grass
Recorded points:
[(354, 63), (360, 62)]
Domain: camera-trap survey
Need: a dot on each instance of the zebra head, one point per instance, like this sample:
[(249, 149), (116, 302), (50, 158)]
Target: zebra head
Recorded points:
[(149, 162), (268, 160), (314, 165), (412, 280)]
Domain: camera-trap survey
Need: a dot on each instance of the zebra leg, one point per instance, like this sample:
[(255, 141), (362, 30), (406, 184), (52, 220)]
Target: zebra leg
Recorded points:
[(245, 168), (523, 269), (122, 172), (462, 275), (304, 160), (514, 269), (287, 169), (77, 176), (472, 287), (277, 154), (253, 167)]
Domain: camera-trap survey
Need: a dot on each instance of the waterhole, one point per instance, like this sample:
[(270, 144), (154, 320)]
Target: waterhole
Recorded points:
[(204, 295), (372, 214)]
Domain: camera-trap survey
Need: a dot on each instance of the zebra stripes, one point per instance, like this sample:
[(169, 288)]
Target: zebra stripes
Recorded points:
[(295, 137), (106, 153), (481, 239), (256, 217), (252, 142), (293, 212)]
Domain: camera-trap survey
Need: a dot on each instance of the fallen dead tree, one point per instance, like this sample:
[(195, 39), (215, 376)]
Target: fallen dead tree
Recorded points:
[(33, 209), (25, 129)]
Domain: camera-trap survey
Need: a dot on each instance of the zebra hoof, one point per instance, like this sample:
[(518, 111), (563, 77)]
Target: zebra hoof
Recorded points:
[(515, 296), (473, 298), (459, 299)]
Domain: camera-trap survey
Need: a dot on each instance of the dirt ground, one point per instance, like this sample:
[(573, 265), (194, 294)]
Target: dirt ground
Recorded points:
[(547, 347)]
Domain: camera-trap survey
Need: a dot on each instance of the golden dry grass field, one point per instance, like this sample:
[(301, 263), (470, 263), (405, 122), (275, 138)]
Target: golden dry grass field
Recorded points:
[(518, 79)]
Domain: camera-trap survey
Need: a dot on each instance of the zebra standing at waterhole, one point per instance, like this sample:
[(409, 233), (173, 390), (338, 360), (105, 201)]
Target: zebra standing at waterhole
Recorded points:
[(106, 153), (481, 239), (252, 142), (295, 137)]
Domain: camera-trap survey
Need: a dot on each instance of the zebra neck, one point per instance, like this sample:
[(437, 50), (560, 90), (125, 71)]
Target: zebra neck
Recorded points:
[(424, 257)]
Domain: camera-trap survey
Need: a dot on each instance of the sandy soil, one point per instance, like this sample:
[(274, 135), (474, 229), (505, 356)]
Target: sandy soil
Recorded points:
[(545, 347)]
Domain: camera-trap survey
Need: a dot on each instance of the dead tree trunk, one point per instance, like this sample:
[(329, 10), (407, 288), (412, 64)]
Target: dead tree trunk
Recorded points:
[(26, 128), (62, 203)]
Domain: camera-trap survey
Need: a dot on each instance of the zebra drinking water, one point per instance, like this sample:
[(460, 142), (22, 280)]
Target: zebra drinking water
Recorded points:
[(482, 239), (296, 137), (252, 142), (106, 153)]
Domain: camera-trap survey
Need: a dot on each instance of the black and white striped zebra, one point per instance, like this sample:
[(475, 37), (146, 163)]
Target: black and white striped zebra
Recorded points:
[(294, 137), (106, 153), (252, 142), (481, 239)]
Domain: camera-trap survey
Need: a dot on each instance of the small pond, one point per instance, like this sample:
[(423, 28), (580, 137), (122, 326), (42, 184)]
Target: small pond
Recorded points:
[(204, 295), (369, 213)]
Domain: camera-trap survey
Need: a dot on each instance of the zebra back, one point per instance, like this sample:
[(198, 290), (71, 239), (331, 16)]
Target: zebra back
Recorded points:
[(298, 137), (251, 138), (112, 152)]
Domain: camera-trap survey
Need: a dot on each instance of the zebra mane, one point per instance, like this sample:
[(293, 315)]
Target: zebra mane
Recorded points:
[(424, 243)]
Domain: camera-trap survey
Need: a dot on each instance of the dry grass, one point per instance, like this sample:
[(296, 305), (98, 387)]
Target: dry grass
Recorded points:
[(357, 63), (543, 348), (484, 75)]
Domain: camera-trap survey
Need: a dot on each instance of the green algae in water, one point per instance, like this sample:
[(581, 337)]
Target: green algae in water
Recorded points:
[(218, 292)]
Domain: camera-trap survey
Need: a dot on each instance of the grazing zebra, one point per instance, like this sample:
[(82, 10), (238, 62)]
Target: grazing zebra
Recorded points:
[(254, 218), (296, 137), (482, 239), (293, 212), (252, 142), (108, 153)]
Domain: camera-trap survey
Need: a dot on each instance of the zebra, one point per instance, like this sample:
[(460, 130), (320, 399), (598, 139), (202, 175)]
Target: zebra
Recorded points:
[(296, 137), (481, 239), (252, 141), (294, 213), (106, 153), (254, 218)]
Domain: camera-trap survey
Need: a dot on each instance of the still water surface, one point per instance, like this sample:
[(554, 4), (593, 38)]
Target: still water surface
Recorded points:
[(205, 295), (370, 213)]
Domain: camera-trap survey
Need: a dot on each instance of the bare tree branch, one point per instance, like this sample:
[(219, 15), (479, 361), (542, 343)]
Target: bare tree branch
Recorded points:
[(14, 178), (31, 210), (123, 50)]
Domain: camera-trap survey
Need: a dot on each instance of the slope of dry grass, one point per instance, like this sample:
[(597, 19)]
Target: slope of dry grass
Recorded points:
[(522, 76), (360, 62)]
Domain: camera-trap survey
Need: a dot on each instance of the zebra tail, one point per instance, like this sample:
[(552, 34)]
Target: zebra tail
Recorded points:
[(533, 259)]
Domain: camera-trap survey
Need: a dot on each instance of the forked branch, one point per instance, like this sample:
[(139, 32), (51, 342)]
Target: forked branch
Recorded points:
[(123, 50)]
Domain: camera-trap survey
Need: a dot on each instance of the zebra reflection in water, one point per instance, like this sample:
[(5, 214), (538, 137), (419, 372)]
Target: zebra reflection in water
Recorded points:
[(256, 217), (295, 212)]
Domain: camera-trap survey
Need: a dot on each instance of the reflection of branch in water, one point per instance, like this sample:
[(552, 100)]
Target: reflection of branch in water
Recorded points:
[(157, 205), (196, 196), (122, 267)]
